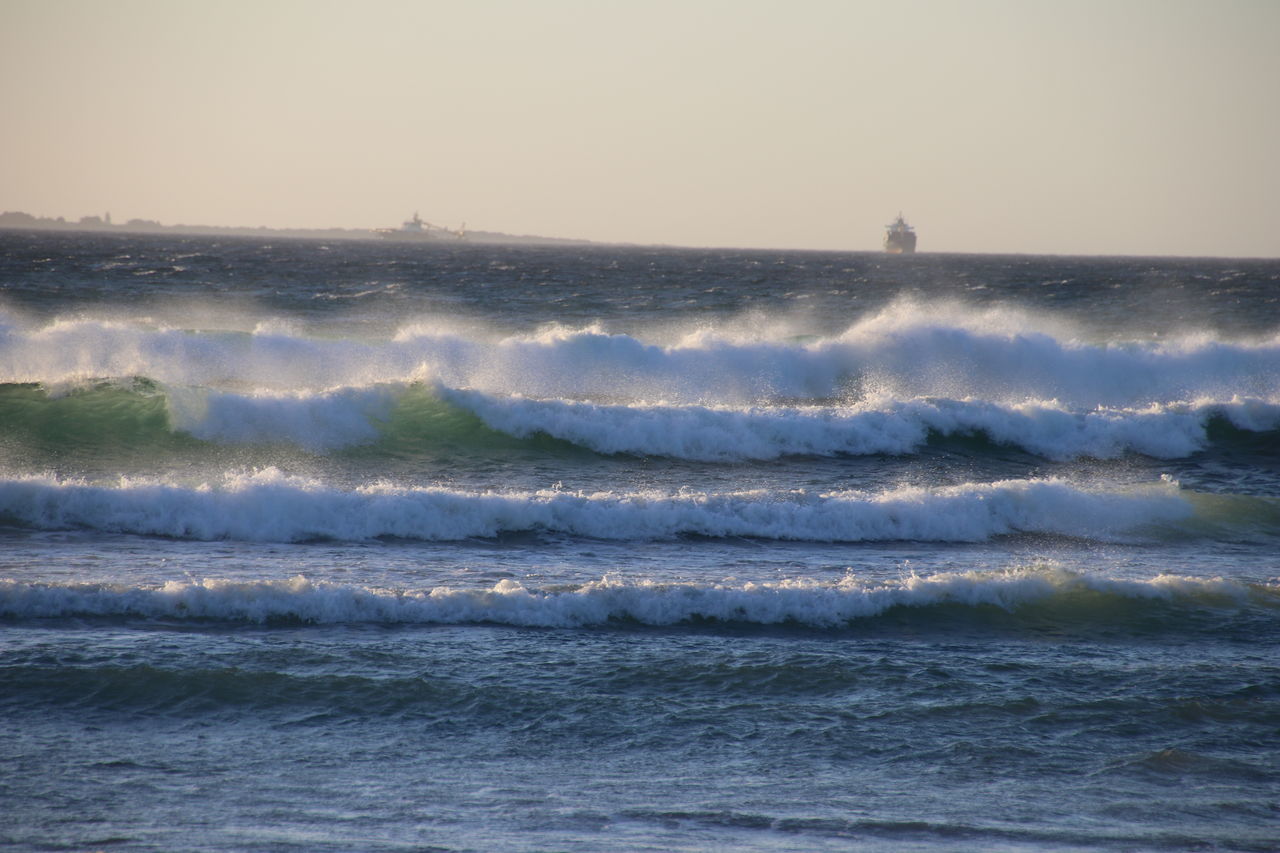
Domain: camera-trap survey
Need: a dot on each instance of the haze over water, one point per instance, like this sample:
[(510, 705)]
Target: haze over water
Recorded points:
[(1139, 127)]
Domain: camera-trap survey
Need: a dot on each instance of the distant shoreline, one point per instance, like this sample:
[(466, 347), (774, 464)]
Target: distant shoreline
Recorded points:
[(18, 220)]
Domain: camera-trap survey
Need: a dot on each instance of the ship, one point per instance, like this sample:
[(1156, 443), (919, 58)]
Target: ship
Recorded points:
[(419, 229), (899, 237)]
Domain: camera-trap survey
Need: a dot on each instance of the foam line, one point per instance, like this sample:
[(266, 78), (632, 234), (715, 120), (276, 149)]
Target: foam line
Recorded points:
[(268, 505), (724, 433), (612, 599)]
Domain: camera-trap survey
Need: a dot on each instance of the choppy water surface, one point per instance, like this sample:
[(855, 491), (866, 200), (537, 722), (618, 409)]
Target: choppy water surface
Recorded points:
[(399, 547)]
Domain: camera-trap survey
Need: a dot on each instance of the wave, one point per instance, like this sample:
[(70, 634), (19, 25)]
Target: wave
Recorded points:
[(1037, 596), (871, 426), (142, 412), (401, 417), (268, 505), (907, 351)]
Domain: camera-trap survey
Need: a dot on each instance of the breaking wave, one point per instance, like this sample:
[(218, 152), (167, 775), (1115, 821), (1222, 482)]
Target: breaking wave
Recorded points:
[(871, 426), (268, 505), (1052, 593), (396, 416), (907, 351), (886, 385)]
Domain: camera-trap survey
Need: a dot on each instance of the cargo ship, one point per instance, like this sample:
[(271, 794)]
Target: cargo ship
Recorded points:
[(899, 237)]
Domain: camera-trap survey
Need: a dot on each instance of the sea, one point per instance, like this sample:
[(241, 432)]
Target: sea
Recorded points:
[(315, 545)]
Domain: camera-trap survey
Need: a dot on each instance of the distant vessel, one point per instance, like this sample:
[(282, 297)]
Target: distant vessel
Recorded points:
[(419, 229), (899, 237)]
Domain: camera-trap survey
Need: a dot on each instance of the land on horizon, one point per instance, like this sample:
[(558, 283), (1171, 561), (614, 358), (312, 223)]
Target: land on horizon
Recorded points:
[(21, 220), (18, 220)]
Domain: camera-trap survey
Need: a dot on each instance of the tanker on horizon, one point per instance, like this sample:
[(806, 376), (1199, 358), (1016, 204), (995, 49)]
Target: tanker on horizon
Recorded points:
[(899, 237)]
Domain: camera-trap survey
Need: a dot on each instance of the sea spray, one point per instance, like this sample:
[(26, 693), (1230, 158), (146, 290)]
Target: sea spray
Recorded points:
[(917, 356)]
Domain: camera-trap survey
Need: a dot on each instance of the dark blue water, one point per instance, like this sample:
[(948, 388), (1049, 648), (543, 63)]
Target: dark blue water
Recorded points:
[(333, 546)]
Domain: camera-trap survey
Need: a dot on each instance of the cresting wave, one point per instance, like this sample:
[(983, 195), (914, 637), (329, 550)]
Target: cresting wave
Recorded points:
[(875, 425), (396, 415), (906, 351), (1052, 592), (268, 505)]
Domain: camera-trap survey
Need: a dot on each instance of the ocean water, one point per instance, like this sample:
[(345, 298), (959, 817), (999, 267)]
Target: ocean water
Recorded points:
[(370, 546)]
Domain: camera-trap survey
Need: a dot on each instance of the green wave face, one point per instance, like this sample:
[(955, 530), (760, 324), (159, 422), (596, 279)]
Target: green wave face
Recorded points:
[(136, 417), (421, 423), (91, 418), (131, 422)]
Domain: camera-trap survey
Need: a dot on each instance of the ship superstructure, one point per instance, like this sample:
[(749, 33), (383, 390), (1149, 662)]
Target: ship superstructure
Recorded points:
[(899, 237), (419, 229)]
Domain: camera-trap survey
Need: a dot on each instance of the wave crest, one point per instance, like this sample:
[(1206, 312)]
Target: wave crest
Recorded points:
[(268, 505), (909, 350), (1043, 593), (418, 414)]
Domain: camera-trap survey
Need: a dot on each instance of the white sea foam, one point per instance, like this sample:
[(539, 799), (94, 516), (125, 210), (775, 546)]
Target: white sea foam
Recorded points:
[(908, 351), (343, 417), (720, 393), (268, 505), (612, 598), (878, 425), (315, 420)]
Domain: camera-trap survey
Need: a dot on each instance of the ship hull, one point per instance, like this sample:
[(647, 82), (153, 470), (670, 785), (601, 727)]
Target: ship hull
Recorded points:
[(899, 246), (404, 236)]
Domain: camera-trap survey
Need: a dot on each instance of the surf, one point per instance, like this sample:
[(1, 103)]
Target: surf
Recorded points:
[(269, 505), (1021, 598), (396, 418), (907, 351)]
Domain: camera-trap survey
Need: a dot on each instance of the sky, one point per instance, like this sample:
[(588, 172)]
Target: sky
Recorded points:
[(1133, 127)]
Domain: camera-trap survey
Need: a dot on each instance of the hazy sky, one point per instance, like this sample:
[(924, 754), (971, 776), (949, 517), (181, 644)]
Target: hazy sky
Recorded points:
[(1058, 126)]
